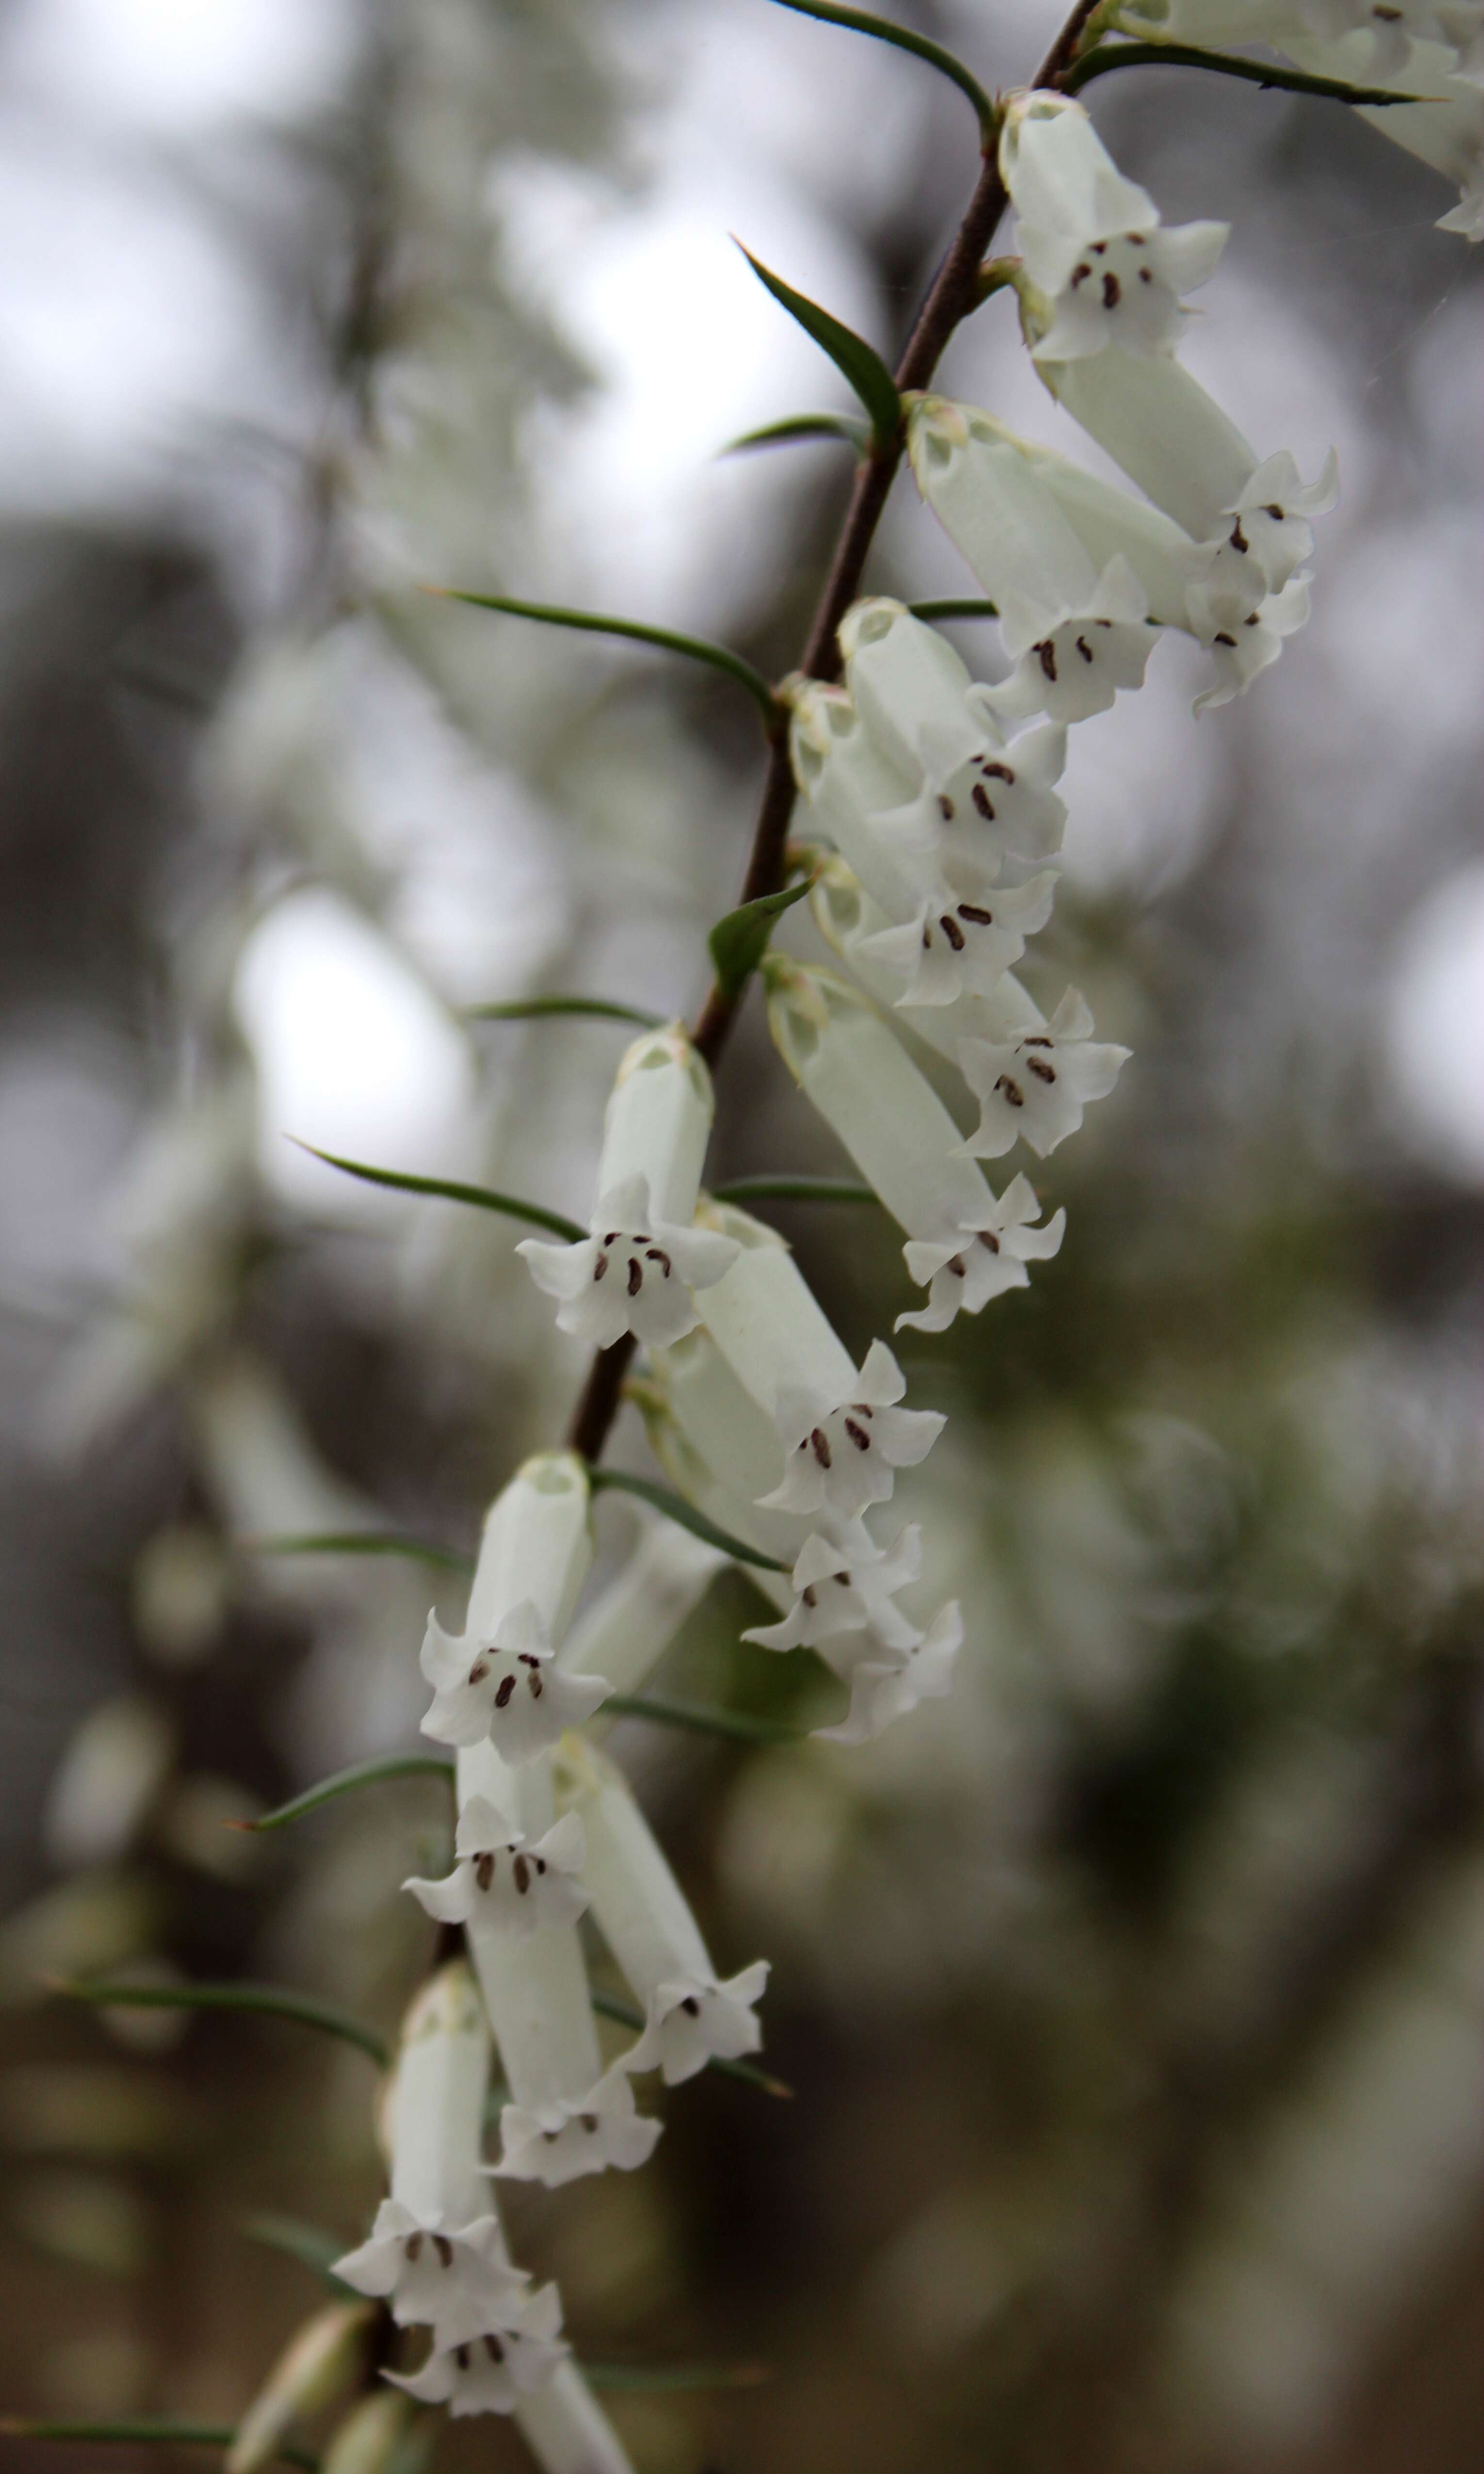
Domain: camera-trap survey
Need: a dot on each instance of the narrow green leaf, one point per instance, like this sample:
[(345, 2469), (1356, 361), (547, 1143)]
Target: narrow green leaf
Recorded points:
[(483, 1196), (747, 1190), (390, 1765), (739, 941), (701, 1718), (839, 426), (310, 2244), (904, 40), (671, 2379), (623, 2014), (592, 622), (537, 1008), (955, 608), (162, 2429), (675, 1508), (1105, 56), (359, 1542), (855, 358), (272, 2001)]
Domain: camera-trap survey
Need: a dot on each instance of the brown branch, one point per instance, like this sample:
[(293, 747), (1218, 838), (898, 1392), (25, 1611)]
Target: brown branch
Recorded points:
[(953, 297)]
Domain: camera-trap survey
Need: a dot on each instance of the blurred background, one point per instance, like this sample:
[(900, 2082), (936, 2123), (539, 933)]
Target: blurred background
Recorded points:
[(1132, 1997)]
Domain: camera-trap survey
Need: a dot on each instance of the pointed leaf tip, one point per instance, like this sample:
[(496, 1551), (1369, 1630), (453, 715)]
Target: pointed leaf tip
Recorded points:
[(852, 356), (739, 941)]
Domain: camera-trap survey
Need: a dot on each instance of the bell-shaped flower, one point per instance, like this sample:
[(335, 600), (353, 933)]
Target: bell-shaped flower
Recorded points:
[(452, 2279), (963, 935), (1090, 241), (504, 1685), (644, 1915), (566, 2137), (1036, 1088), (964, 1268), (1241, 652), (885, 1687), (513, 1882), (536, 1543), (634, 1273), (904, 1142), (847, 1585), (496, 2366), (869, 804), (433, 2121), (848, 919), (844, 1447), (1270, 538)]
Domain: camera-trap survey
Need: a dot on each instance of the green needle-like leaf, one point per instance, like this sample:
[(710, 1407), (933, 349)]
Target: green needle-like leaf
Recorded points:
[(855, 358), (736, 1726), (390, 1765), (904, 40), (593, 623), (310, 2244), (955, 608), (671, 2379), (144, 2428), (537, 1008), (739, 941), (747, 1190), (483, 1196), (359, 1542), (675, 1508), (271, 2000), (1105, 56), (623, 2014), (840, 426)]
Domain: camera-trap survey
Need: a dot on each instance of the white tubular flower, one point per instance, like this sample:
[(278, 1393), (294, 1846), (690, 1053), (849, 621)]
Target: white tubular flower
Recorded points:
[(628, 1628), (635, 1271), (496, 2366), (847, 1585), (764, 1320), (867, 802), (510, 1692), (436, 2253), (963, 935), (916, 699), (966, 1245), (1036, 1088), (558, 2141), (518, 1883), (1090, 241), (886, 1688), (721, 1446), (565, 2429), (536, 1544), (845, 1446), (848, 919), (1077, 632), (1241, 652), (962, 1271), (691, 2017)]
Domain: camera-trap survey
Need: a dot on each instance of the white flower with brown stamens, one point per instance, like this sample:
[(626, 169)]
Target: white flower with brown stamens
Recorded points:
[(962, 1269), (847, 1585), (558, 2141), (505, 1686), (963, 935), (1092, 243), (1036, 1088), (509, 2357), (509, 1881), (454, 2279), (885, 1687), (1240, 653), (693, 2020), (845, 1447), (634, 1273)]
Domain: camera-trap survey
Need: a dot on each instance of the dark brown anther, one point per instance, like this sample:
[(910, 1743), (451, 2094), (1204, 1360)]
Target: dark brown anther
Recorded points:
[(1137, 240), (612, 1237), (503, 1696), (599, 1266), (1275, 512), (537, 1687), (1112, 292), (495, 2349), (523, 1874), (1084, 649), (636, 1277), (1011, 1090), (926, 940), (691, 2007), (997, 773), (953, 931), (479, 1670), (1048, 659), (1144, 274), (413, 2246), (1043, 1072), (945, 807), (1100, 249), (841, 1579), (858, 1435), (820, 1445), (809, 1595), (657, 1254), (461, 2356), (1221, 638), (484, 1868), (976, 915), (528, 1658), (1237, 537), (445, 2250), (987, 1237), (1080, 274), (981, 798), (589, 2121), (1036, 1040), (540, 1864), (956, 1265)]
